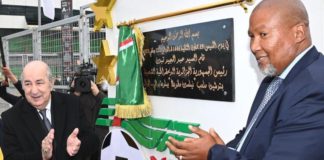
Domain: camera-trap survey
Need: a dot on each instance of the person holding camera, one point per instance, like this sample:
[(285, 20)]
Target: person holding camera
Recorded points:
[(91, 100)]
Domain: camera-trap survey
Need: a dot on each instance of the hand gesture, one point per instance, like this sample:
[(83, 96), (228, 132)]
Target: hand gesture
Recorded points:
[(7, 72), (4, 83), (47, 145), (194, 148), (73, 143), (94, 89)]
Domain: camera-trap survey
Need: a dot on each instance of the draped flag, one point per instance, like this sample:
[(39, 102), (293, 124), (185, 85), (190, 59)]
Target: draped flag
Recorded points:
[(131, 98), (48, 8)]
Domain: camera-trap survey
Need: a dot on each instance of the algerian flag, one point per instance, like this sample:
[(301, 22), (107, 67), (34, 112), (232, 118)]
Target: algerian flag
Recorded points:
[(131, 99), (48, 8)]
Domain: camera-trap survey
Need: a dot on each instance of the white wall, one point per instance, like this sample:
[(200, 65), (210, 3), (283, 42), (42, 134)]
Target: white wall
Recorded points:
[(315, 12), (15, 22), (226, 117), (20, 21), (76, 3)]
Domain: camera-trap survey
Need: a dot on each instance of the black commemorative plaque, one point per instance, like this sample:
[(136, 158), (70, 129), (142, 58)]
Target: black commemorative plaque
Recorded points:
[(193, 61)]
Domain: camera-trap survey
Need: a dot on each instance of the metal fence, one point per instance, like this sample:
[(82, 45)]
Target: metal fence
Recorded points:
[(53, 43)]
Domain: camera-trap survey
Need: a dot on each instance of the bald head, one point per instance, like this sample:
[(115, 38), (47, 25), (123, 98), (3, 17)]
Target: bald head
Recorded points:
[(286, 13), (290, 11), (37, 66)]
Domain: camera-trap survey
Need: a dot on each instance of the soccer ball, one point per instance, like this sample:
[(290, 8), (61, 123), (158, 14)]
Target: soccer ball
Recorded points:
[(119, 145)]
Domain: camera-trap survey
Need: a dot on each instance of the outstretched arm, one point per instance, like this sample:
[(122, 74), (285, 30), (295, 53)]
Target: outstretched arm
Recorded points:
[(8, 73), (10, 98), (195, 148)]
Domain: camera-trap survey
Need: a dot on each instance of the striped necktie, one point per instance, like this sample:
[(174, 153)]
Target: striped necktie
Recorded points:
[(272, 88), (46, 122)]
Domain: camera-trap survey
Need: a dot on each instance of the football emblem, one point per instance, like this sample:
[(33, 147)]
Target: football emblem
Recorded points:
[(119, 145)]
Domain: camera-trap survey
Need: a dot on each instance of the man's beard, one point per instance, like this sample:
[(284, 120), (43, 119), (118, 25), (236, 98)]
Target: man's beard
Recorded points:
[(269, 70)]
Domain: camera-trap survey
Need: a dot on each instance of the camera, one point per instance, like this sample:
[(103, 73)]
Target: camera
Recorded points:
[(83, 77)]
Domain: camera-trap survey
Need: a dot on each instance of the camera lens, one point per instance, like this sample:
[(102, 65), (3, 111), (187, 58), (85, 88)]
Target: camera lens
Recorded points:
[(83, 84)]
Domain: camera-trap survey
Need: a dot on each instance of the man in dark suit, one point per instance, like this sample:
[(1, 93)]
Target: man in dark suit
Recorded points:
[(289, 124), (60, 132)]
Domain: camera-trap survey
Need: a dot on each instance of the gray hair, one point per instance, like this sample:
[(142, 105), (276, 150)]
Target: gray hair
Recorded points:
[(270, 70), (49, 74)]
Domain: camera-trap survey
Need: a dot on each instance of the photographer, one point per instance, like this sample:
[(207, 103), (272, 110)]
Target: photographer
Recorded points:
[(91, 104)]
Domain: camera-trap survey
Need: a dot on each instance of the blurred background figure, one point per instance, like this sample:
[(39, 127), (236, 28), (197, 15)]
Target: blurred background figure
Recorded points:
[(91, 100), (8, 97)]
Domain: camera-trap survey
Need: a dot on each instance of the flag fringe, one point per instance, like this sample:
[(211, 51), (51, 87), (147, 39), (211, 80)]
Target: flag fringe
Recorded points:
[(134, 111), (139, 42)]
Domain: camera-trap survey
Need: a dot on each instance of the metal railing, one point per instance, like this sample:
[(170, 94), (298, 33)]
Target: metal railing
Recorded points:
[(46, 43)]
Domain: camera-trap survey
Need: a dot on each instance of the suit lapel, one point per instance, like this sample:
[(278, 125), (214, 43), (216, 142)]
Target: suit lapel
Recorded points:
[(308, 59), (259, 97), (58, 115), (33, 121)]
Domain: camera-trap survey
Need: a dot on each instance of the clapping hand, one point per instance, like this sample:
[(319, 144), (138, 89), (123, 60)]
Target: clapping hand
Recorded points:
[(73, 143), (47, 145)]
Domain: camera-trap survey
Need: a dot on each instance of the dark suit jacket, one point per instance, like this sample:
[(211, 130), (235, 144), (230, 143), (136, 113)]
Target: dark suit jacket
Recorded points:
[(23, 129), (91, 105), (291, 126), (1, 133)]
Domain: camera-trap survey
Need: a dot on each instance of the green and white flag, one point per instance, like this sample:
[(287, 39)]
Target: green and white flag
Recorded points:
[(131, 99)]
